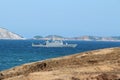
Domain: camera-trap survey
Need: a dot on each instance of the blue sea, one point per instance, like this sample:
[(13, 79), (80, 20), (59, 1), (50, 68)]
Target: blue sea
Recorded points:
[(18, 52)]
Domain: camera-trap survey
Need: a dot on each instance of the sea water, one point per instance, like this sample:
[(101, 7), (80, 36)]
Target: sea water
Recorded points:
[(18, 52)]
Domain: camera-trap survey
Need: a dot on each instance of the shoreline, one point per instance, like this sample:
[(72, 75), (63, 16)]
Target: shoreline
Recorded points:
[(94, 63)]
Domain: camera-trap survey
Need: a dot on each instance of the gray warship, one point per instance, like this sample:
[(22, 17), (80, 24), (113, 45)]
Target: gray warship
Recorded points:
[(54, 43)]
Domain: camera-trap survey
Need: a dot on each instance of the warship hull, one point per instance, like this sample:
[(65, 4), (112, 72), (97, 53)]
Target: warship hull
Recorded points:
[(41, 45)]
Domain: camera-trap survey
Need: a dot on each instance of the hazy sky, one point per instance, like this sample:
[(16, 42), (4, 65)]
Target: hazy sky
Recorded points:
[(61, 17)]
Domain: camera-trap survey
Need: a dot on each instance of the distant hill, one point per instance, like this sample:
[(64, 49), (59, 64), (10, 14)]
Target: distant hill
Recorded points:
[(37, 37), (97, 38), (54, 36), (84, 38), (5, 34)]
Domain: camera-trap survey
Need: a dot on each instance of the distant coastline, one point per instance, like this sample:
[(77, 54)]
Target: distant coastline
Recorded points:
[(8, 35), (81, 38)]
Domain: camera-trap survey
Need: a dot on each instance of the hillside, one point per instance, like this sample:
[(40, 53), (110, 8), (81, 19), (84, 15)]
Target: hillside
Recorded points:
[(5, 34), (101, 64)]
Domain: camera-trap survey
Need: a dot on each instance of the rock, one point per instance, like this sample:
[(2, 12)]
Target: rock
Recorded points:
[(1, 76), (74, 78), (107, 77)]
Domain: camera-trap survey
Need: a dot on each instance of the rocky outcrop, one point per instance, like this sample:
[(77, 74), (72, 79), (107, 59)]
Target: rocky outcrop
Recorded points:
[(93, 65), (5, 34)]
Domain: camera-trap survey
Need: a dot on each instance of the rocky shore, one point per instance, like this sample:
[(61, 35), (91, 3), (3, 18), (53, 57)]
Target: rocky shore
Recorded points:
[(101, 64)]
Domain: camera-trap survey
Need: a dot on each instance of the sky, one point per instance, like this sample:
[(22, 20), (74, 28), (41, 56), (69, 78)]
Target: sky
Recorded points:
[(69, 18)]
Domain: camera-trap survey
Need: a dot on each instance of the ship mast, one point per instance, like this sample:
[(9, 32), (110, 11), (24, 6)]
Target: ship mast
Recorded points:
[(53, 38)]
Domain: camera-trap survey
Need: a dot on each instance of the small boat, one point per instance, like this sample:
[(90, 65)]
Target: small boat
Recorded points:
[(54, 43)]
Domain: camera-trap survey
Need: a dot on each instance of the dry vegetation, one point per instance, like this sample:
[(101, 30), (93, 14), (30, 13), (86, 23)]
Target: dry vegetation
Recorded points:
[(94, 65)]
